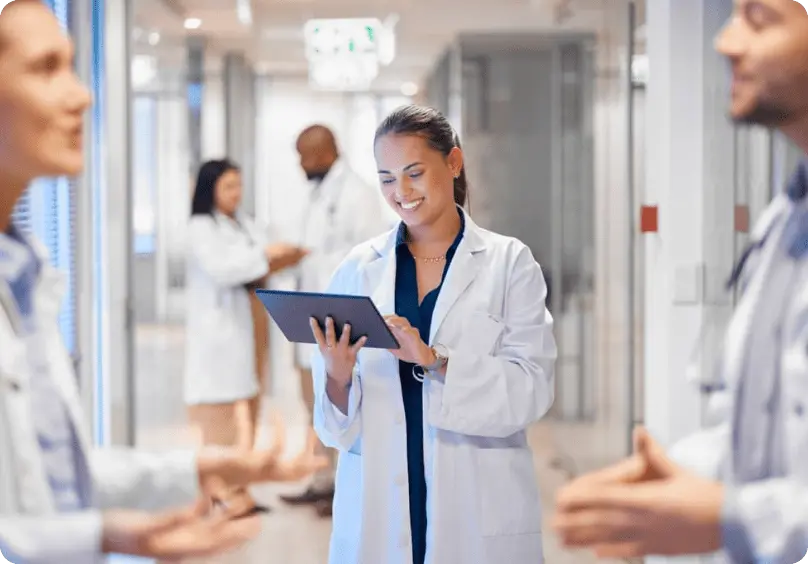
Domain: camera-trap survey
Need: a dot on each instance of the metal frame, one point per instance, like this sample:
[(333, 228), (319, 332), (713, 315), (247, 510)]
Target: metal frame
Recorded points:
[(104, 228)]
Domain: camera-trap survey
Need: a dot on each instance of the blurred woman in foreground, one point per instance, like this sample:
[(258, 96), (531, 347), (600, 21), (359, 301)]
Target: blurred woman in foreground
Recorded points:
[(62, 501)]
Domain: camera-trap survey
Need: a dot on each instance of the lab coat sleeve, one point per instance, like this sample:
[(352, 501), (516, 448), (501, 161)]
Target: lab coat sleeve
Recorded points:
[(228, 265), (766, 521), (367, 216), (128, 479), (499, 394), (336, 429), (705, 451), (59, 539)]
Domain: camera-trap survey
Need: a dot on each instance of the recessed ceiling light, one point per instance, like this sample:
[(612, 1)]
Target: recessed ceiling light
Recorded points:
[(154, 38), (193, 23), (409, 89)]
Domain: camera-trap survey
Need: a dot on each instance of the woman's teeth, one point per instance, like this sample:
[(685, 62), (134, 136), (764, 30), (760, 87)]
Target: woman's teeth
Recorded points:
[(409, 206)]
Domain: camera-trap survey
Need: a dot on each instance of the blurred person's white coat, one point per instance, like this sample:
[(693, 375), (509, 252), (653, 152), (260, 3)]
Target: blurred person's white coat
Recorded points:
[(342, 211), (223, 256), (120, 478)]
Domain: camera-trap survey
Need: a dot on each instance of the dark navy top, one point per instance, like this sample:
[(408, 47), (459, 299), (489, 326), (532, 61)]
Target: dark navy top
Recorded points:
[(420, 317)]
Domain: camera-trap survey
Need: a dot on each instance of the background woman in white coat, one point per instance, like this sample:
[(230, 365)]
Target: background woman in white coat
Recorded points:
[(434, 462), (228, 257)]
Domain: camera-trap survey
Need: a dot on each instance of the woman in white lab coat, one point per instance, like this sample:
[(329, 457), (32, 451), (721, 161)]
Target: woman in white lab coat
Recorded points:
[(434, 465), (227, 257)]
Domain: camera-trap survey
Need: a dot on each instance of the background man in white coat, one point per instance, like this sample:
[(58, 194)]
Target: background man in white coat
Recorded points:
[(62, 502), (749, 495), (343, 211)]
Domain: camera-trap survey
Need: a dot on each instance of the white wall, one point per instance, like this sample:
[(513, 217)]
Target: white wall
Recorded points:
[(213, 118)]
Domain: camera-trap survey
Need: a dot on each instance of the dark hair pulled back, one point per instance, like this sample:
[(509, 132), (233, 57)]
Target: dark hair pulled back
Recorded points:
[(430, 124), (204, 201)]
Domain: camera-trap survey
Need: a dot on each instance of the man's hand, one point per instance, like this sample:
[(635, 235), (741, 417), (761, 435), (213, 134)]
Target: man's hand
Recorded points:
[(644, 505), (225, 470), (189, 533), (637, 468)]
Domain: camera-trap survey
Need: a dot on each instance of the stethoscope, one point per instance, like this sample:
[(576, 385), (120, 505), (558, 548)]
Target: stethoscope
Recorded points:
[(796, 248)]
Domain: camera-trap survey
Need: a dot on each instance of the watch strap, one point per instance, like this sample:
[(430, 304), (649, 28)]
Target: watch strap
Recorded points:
[(440, 361)]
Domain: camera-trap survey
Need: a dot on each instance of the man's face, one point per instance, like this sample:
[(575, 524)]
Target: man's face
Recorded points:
[(316, 157), (766, 42)]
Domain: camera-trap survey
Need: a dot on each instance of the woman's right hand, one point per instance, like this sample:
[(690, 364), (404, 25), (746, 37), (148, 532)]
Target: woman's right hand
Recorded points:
[(339, 355), (283, 255)]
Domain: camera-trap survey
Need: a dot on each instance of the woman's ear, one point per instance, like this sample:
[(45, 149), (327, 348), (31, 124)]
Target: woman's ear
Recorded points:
[(455, 160)]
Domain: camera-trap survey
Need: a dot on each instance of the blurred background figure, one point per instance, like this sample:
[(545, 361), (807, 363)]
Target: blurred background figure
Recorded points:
[(228, 257), (344, 210)]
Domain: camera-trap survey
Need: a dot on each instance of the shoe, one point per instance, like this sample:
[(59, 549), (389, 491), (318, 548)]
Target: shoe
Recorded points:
[(324, 508), (309, 497)]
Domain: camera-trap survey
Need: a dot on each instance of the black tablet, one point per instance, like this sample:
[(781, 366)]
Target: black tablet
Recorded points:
[(292, 311)]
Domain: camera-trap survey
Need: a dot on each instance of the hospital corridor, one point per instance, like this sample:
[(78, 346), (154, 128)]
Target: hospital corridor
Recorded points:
[(295, 535), (403, 281)]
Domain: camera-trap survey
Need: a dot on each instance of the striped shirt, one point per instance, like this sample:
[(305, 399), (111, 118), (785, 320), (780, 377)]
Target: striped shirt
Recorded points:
[(20, 268)]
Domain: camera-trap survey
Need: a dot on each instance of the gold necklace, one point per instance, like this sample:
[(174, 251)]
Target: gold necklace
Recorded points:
[(430, 259)]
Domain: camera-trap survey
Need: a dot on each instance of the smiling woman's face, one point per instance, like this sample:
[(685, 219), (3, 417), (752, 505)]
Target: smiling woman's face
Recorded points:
[(417, 180), (42, 101)]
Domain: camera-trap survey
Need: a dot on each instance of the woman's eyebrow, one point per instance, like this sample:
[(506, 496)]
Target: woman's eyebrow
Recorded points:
[(405, 169)]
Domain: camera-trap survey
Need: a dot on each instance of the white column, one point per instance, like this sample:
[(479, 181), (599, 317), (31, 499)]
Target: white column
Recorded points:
[(689, 176), (104, 239), (195, 94), (240, 123)]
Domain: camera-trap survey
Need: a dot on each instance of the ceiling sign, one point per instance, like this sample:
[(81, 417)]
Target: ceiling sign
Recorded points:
[(341, 37), (345, 54)]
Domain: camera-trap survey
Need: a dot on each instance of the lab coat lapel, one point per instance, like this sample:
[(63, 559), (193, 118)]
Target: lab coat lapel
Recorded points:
[(462, 272), (381, 275), (739, 328), (13, 361), (49, 296)]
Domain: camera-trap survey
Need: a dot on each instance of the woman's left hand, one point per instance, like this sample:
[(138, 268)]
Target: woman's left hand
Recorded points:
[(413, 349)]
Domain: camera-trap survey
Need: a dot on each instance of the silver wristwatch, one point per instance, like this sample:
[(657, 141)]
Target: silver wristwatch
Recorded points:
[(441, 359)]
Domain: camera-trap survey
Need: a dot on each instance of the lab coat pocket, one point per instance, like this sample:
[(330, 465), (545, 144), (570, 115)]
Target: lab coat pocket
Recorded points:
[(508, 490), (482, 332)]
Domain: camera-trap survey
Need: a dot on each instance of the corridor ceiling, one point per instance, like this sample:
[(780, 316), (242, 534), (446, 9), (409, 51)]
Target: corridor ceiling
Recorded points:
[(274, 41)]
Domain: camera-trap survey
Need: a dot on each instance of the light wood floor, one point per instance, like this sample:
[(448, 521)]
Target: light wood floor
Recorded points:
[(296, 535)]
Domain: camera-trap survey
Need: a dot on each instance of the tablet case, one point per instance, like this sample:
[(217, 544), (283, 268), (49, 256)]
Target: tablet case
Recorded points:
[(291, 311)]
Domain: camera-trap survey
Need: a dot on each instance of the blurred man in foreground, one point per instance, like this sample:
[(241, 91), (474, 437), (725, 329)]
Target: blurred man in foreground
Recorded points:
[(750, 497)]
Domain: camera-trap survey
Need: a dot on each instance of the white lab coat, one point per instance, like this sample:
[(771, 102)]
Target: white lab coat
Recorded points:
[(223, 256), (29, 524), (769, 515), (483, 499), (341, 213)]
